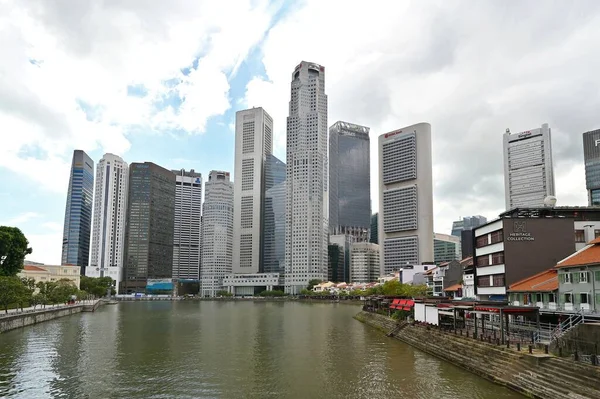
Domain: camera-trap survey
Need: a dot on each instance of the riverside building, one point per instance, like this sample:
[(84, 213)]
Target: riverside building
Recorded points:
[(528, 171), (349, 180), (364, 262), (217, 233), (188, 224), (405, 197), (150, 226), (78, 212), (110, 208), (307, 179)]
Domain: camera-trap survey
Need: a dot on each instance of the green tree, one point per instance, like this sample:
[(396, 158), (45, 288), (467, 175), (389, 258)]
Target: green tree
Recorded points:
[(13, 249), (306, 292), (63, 291), (97, 286), (223, 293), (10, 290), (272, 293)]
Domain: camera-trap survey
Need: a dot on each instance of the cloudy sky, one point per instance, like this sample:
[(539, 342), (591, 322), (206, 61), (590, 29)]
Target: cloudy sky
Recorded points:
[(161, 81)]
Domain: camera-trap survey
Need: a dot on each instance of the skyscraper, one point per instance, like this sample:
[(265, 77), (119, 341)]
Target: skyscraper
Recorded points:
[(528, 171), (591, 155), (307, 179), (405, 197), (253, 143), (364, 262), (446, 248), (273, 240), (373, 234), (467, 223), (188, 215), (110, 208), (150, 226), (78, 212), (349, 180), (217, 232)]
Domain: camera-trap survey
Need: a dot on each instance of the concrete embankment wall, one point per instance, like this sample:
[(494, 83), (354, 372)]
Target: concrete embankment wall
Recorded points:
[(18, 320), (536, 376)]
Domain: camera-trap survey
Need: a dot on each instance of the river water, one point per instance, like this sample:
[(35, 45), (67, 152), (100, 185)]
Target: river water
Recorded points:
[(210, 349)]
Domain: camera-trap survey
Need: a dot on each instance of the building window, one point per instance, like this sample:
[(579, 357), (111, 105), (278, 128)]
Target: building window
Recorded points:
[(568, 297), (564, 278), (498, 280), (483, 260), (579, 236), (498, 258), (596, 233), (538, 297), (482, 241), (583, 297), (583, 277), (597, 275), (552, 297), (496, 236), (483, 281)]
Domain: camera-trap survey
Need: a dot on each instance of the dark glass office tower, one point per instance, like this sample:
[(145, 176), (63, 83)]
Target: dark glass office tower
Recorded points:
[(349, 180), (591, 156), (150, 226), (273, 237), (374, 227), (78, 212)]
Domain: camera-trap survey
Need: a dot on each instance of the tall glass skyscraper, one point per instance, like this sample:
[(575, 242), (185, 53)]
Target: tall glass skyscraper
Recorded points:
[(78, 212), (591, 155), (150, 226), (349, 180), (273, 237)]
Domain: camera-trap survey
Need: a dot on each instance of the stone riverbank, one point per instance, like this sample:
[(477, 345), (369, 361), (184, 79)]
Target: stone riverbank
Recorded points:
[(534, 375)]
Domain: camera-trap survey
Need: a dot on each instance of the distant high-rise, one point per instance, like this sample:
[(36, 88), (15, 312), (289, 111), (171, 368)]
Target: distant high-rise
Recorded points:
[(528, 171), (467, 223), (217, 233), (253, 142), (341, 270), (150, 226), (78, 212), (349, 180), (273, 239), (364, 262), (405, 197), (446, 248), (110, 209), (307, 179), (188, 216), (373, 235), (591, 155)]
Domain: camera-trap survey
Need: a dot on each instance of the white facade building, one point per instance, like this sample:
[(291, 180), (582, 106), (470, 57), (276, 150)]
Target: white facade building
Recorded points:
[(364, 262), (108, 231), (253, 142), (405, 197), (249, 284), (188, 221), (528, 171), (217, 233), (307, 179)]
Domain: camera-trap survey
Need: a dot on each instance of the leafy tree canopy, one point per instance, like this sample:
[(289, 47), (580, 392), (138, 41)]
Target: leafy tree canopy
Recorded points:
[(96, 286), (312, 283), (12, 291), (272, 293), (13, 249)]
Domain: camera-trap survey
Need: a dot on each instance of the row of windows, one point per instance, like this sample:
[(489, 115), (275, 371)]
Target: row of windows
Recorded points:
[(400, 209), (400, 159)]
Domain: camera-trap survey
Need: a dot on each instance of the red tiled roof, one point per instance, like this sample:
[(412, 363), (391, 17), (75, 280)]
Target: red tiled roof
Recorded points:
[(32, 268), (427, 272), (453, 288), (545, 281), (589, 255), (467, 261)]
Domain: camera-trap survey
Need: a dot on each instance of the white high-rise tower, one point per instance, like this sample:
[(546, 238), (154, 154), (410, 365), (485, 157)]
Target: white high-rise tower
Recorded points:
[(253, 142), (108, 231), (217, 232), (528, 171), (188, 216), (307, 179)]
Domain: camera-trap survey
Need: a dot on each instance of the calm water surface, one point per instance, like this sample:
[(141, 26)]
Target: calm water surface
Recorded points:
[(223, 350)]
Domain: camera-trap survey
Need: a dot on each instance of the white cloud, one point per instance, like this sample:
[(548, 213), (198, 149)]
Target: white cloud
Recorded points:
[(20, 219), (61, 60), (470, 69)]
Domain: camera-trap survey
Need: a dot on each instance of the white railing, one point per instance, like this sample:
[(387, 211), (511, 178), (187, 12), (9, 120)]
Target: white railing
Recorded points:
[(571, 322)]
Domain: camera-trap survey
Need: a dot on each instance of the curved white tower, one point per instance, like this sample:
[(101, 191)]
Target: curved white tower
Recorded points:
[(110, 206)]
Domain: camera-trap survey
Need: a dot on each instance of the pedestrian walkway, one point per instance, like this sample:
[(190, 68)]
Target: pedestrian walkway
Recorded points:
[(31, 309)]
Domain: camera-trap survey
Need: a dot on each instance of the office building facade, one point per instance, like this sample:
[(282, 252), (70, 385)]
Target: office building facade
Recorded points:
[(253, 142), (528, 170), (78, 212), (217, 233), (446, 248), (373, 233), (273, 218), (188, 224), (364, 262), (349, 180), (467, 223), (150, 226), (307, 179), (405, 197), (110, 208), (591, 155)]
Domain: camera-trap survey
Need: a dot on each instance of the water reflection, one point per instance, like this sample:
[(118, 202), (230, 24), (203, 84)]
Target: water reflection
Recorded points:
[(223, 350)]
